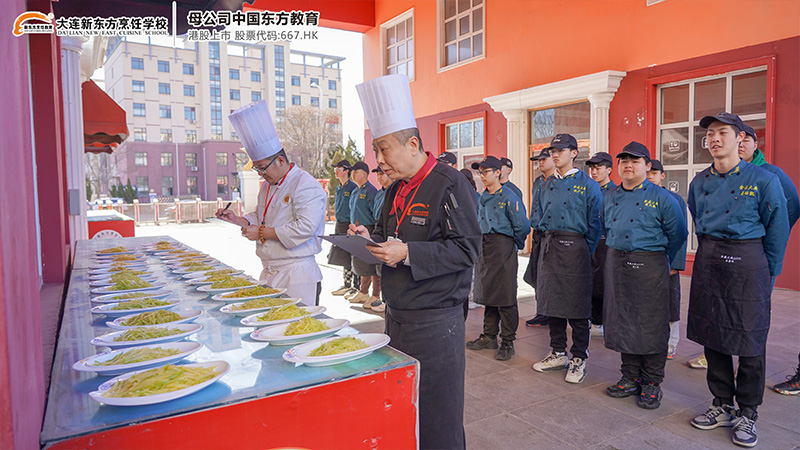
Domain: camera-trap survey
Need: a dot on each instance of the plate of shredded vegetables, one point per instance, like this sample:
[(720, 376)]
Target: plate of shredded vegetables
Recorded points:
[(135, 305), (158, 385), (116, 265), (124, 276), (214, 275), (281, 314), (248, 294), (198, 267), (303, 330), (335, 350), (129, 286), (122, 257), (190, 263), (141, 271), (146, 335), (116, 298), (162, 246), (174, 257), (117, 362), (114, 251), (230, 284), (157, 317), (211, 273), (262, 304)]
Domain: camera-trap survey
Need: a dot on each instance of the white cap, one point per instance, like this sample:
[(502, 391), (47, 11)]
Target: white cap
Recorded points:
[(387, 104), (254, 126)]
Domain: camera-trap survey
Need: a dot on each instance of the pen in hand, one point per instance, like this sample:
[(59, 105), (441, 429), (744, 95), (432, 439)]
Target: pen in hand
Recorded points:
[(219, 214)]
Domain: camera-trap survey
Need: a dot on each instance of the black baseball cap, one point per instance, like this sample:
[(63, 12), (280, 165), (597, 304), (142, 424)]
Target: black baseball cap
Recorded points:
[(345, 164), (636, 150), (490, 162), (361, 165), (656, 165), (377, 170), (543, 154), (724, 117), (507, 162), (600, 158), (563, 141), (749, 131), (448, 158)]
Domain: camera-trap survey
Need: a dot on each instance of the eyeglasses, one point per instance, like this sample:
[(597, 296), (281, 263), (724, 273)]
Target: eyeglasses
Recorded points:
[(484, 172), (261, 171)]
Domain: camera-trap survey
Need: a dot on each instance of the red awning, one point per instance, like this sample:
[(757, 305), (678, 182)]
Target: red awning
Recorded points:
[(104, 122)]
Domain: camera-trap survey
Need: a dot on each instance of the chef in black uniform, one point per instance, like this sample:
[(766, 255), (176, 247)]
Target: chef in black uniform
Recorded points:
[(430, 237), (600, 166)]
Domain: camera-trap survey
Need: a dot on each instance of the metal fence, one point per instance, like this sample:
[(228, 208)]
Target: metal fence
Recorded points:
[(179, 211)]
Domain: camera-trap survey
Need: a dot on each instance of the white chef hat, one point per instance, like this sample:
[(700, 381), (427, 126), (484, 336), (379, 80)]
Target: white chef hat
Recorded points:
[(387, 104), (254, 126)]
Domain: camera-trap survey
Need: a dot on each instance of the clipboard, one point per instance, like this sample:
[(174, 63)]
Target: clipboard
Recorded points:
[(355, 245)]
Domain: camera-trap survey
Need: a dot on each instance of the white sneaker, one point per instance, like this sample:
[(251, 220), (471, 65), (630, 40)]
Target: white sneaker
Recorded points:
[(473, 305), (359, 298), (341, 291), (576, 371), (597, 331), (553, 361), (351, 293)]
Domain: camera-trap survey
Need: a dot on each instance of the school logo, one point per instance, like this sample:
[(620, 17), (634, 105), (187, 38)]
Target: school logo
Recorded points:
[(634, 265), (501, 205), (418, 209), (286, 199), (579, 189), (730, 259), (651, 203), (21, 27), (750, 189)]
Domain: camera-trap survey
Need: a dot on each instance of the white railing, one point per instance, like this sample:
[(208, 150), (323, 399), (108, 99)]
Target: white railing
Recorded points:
[(179, 211)]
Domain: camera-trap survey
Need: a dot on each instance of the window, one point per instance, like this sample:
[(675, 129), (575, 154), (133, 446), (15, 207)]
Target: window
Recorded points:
[(234, 94), (191, 159), (295, 99), (222, 159), (167, 185), (574, 119), (166, 135), (315, 101), (142, 185), (140, 159), (331, 103), (163, 88), (465, 139), (189, 113), (295, 81), (222, 184), (241, 160), (255, 76), (191, 136), (166, 159), (163, 66), (138, 109), (191, 185), (332, 85), (138, 86), (255, 96), (234, 136), (188, 69), (140, 134), (398, 44), (188, 91), (313, 82), (233, 74), (165, 111), (462, 31), (137, 63)]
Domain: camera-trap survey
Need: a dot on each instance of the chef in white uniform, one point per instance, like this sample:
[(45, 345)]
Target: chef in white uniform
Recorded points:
[(290, 213)]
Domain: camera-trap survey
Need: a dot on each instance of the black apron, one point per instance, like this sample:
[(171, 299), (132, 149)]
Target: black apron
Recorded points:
[(729, 301), (564, 276), (598, 265), (498, 270), (435, 337), (675, 297), (636, 302), (361, 268), (530, 272), (338, 256)]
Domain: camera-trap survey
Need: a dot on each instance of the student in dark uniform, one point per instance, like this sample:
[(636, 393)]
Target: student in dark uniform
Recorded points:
[(656, 176), (473, 291), (362, 203), (645, 229), (570, 218), (505, 227), (545, 164), (337, 255), (384, 181), (505, 171), (742, 226), (449, 159), (600, 166), (430, 237)]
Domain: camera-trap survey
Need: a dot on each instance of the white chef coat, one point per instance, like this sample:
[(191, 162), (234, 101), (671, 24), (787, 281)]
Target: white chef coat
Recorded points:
[(297, 212)]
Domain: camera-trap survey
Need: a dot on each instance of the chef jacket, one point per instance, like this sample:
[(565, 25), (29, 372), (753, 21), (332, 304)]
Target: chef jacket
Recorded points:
[(679, 262), (535, 210), (362, 204), (789, 191), (571, 203), (504, 213), (513, 188), (341, 202), (747, 202), (378, 203)]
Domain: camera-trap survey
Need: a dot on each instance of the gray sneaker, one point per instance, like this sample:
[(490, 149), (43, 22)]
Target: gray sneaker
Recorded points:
[(716, 416), (576, 371), (744, 429), (553, 361)]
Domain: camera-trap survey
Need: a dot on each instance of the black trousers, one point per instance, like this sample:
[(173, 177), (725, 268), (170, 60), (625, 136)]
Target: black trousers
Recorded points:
[(748, 389), (645, 368), (319, 291), (507, 317), (580, 336), (598, 265)]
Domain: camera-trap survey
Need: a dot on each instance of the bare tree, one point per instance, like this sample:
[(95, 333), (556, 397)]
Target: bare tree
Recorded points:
[(307, 134), (103, 169)]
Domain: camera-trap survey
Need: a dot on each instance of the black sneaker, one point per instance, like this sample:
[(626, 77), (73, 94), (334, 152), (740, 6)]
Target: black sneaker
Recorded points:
[(505, 352), (538, 321), (625, 387), (791, 386), (650, 398), (482, 342), (744, 428)]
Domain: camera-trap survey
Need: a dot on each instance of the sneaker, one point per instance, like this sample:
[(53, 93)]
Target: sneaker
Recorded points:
[(744, 429), (505, 352), (791, 386), (351, 293), (671, 351), (473, 305), (576, 371), (716, 416), (597, 331), (341, 291), (380, 307), (699, 363), (553, 361), (359, 298), (371, 301), (482, 342), (625, 387), (538, 321), (650, 397)]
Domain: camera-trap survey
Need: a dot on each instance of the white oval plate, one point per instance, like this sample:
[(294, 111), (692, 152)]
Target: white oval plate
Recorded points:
[(87, 364), (222, 298), (228, 309), (175, 266), (252, 320), (299, 354), (201, 280), (107, 340), (153, 247), (215, 265), (207, 289), (108, 282), (106, 308), (203, 274), (188, 316), (222, 367), (126, 252), (275, 334), (106, 290), (109, 298), (172, 257), (108, 258), (107, 265), (107, 275)]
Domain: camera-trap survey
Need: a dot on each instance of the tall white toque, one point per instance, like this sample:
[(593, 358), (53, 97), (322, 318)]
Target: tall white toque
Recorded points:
[(387, 104), (254, 126)]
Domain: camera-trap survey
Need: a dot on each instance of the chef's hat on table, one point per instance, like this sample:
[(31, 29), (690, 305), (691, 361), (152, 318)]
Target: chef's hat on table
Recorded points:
[(387, 104), (254, 126)]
